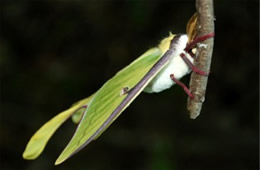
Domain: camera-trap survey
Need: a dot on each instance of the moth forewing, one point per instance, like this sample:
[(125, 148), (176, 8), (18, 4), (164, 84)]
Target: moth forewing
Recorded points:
[(98, 117), (107, 99), (157, 69)]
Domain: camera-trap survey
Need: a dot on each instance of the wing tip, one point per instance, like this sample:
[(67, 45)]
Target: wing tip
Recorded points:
[(62, 157), (59, 160), (28, 156), (30, 152)]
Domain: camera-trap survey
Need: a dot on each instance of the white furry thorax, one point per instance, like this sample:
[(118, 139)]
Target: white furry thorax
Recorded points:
[(177, 66)]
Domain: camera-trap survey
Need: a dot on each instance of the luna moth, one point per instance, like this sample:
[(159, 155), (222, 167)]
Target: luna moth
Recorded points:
[(156, 70)]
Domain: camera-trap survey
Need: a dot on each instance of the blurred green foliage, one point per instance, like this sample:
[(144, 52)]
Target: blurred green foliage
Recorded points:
[(53, 53)]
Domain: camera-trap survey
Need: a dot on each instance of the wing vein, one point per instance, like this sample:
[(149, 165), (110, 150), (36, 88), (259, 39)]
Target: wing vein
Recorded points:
[(137, 88)]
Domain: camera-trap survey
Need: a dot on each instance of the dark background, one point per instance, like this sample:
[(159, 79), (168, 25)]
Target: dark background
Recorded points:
[(53, 53)]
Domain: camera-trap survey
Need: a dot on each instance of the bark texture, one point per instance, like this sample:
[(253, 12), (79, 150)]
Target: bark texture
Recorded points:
[(198, 83)]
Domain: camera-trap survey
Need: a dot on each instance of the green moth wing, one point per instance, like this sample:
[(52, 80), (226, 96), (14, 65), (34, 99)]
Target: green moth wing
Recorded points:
[(77, 115), (39, 140), (110, 100)]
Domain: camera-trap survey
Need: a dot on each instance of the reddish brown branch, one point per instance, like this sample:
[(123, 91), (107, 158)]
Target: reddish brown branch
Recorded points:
[(198, 83)]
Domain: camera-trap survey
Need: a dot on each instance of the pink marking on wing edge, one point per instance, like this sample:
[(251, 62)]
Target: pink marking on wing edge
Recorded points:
[(185, 88)]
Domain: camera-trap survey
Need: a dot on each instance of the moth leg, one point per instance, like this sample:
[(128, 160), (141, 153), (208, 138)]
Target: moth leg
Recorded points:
[(124, 91), (185, 88), (192, 67), (199, 39)]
